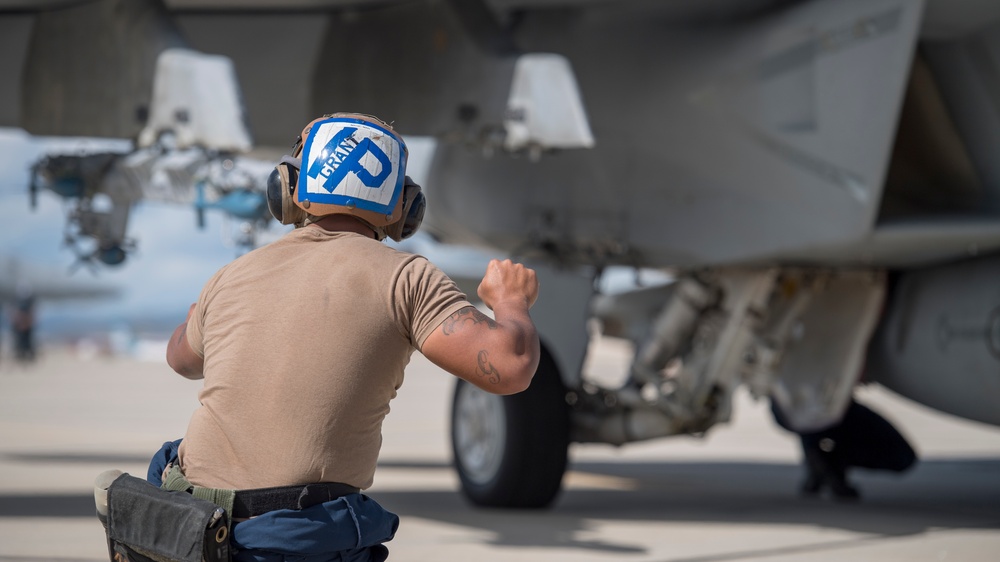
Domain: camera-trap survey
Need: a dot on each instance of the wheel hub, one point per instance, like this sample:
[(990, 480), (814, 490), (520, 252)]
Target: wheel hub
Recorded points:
[(480, 433)]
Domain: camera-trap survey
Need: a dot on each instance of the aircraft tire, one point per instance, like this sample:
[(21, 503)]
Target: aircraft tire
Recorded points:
[(510, 451)]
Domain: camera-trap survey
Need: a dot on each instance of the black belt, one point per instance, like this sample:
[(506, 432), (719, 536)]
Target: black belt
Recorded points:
[(250, 503)]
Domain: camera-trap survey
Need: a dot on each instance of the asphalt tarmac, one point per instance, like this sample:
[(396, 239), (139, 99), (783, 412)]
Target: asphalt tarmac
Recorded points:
[(731, 496)]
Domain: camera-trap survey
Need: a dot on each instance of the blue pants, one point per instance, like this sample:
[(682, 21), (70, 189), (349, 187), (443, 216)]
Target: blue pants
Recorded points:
[(351, 528)]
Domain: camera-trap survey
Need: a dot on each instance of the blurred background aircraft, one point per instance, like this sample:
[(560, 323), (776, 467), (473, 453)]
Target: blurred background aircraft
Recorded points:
[(22, 279), (817, 180), (172, 255), (24, 287)]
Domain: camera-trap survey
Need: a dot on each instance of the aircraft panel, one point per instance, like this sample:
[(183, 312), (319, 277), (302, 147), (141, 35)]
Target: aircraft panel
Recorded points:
[(275, 57), (939, 343), (14, 33), (969, 78), (695, 163), (89, 68)]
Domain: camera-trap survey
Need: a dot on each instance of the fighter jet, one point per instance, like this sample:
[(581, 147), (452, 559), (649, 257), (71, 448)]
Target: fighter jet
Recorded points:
[(25, 285), (19, 278), (818, 178)]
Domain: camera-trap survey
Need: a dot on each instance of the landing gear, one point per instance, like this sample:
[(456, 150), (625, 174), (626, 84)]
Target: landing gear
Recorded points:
[(510, 451)]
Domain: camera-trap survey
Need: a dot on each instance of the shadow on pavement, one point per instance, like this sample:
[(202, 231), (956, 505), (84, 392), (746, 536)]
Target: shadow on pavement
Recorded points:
[(935, 495), (112, 459)]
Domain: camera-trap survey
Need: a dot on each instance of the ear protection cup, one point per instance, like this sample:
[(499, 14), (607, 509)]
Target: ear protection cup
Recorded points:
[(275, 186), (281, 192), (414, 204)]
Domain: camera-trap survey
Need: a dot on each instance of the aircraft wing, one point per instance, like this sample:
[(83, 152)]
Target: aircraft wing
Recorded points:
[(89, 68), (22, 279), (767, 87)]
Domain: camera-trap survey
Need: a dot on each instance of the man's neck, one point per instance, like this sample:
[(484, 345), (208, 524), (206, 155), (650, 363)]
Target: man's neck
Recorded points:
[(344, 223)]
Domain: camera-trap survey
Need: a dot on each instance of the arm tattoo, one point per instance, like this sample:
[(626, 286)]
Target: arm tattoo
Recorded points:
[(486, 368), (468, 314)]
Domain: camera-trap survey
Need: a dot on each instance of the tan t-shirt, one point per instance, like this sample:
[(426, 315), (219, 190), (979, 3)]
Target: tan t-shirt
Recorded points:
[(305, 341)]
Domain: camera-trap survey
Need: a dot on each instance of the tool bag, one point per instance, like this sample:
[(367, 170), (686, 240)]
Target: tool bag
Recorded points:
[(149, 524)]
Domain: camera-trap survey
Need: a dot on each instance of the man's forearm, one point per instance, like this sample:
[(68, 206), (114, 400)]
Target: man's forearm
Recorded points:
[(497, 355), (521, 329), (522, 350)]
